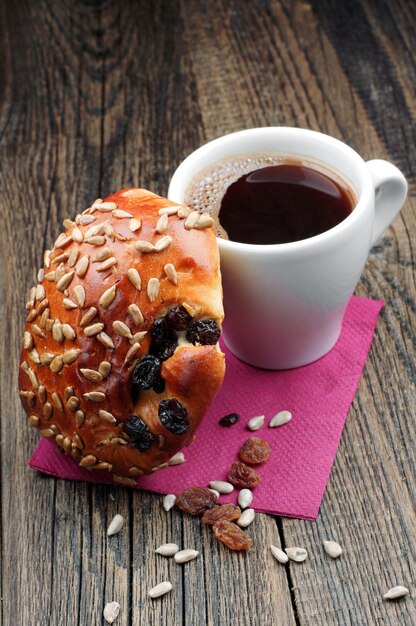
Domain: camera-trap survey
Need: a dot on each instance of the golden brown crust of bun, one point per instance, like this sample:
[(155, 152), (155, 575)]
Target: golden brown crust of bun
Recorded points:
[(83, 336)]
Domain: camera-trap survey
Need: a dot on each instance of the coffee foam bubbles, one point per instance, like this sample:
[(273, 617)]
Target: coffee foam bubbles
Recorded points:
[(208, 187)]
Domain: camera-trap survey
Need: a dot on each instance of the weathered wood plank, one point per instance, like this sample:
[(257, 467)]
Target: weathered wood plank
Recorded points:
[(322, 81)]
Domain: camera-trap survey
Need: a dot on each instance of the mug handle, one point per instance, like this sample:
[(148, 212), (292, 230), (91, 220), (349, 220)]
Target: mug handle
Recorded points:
[(391, 191)]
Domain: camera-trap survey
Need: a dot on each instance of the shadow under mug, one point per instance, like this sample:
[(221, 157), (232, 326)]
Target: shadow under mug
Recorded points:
[(284, 303)]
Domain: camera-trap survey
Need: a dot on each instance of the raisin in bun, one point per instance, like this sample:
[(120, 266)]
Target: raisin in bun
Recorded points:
[(120, 354)]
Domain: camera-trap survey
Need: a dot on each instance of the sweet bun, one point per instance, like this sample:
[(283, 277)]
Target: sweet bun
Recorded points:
[(120, 356)]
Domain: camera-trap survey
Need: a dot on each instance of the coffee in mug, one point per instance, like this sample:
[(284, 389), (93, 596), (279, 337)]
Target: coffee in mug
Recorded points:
[(284, 302), (270, 198)]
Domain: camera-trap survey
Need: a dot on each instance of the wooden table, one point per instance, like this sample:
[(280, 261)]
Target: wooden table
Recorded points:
[(101, 95)]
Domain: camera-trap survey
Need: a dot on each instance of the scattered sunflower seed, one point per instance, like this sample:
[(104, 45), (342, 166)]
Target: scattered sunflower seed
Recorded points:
[(70, 356), (105, 340), (77, 235), (278, 554), (191, 220), (296, 554), (177, 459), (122, 329), (102, 254), (111, 611), (333, 549), (221, 486), (256, 422), (245, 498), (216, 493), (135, 314), (167, 549), (88, 316), (283, 417), (69, 304), (91, 375), (169, 501), (396, 592), (171, 273), (134, 278), (160, 589), (183, 556), (104, 368), (163, 243), (116, 525), (96, 240), (82, 266), (27, 341), (168, 210), (162, 224), (246, 518), (183, 211), (95, 396), (204, 221), (93, 329), (107, 264), (80, 295), (153, 287), (107, 417), (134, 224), (105, 207), (144, 246), (120, 214), (107, 297), (68, 332)]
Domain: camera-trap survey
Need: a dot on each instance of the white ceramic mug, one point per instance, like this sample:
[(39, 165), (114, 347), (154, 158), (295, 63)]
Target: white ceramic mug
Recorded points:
[(284, 303)]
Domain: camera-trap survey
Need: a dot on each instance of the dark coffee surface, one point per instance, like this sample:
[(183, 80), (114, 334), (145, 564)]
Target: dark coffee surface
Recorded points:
[(266, 198), (283, 203)]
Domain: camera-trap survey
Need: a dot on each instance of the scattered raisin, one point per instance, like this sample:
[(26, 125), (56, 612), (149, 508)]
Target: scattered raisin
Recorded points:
[(195, 500), (254, 451), (205, 332), (229, 420), (138, 433), (231, 535), (173, 416), (146, 374), (224, 511), (243, 476), (178, 318), (164, 340)]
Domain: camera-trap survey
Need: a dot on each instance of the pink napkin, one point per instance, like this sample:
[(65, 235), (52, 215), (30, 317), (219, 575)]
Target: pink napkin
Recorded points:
[(303, 450)]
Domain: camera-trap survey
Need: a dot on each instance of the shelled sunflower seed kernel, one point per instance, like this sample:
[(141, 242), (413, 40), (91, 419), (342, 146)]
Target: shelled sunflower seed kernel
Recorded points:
[(111, 611), (183, 556), (296, 554), (160, 590), (167, 549), (283, 417), (396, 592), (333, 549), (221, 486), (246, 518), (116, 525), (169, 501), (245, 498), (256, 422), (177, 459), (278, 554)]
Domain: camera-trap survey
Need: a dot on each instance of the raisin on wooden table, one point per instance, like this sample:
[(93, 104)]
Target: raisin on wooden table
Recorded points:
[(196, 500), (224, 511), (231, 535)]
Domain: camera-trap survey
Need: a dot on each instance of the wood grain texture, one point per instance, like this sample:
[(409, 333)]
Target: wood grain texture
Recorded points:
[(101, 95)]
